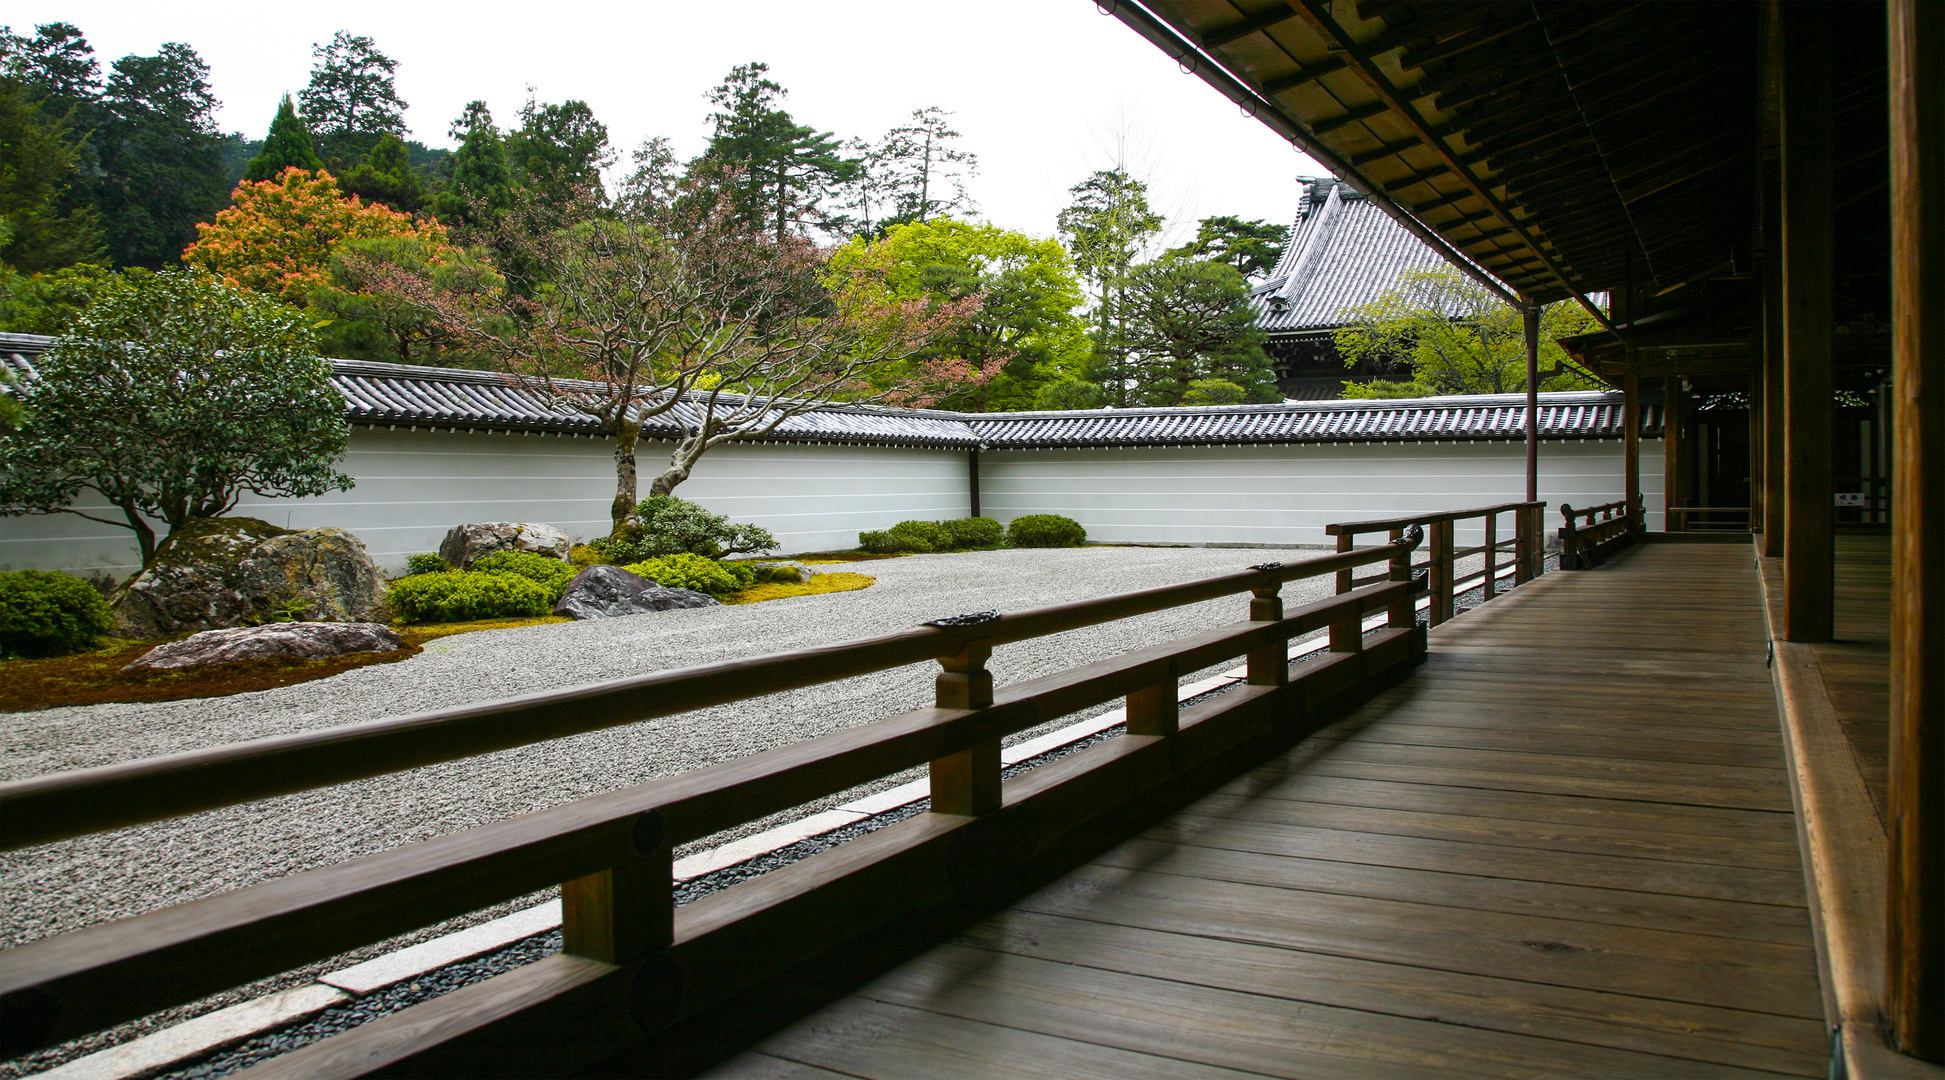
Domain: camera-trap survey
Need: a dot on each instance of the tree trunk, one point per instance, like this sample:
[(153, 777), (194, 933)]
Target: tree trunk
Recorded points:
[(625, 475)]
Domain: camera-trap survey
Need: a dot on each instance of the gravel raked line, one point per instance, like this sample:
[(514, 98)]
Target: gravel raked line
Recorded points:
[(64, 886)]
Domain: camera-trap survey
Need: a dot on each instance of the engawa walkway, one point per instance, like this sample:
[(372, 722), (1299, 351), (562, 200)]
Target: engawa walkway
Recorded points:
[(1563, 847)]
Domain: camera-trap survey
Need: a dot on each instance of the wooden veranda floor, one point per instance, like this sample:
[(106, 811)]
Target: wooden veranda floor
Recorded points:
[(1563, 847)]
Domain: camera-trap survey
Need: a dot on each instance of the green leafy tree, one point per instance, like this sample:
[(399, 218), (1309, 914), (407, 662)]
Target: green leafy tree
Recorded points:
[(173, 395), (288, 146), (350, 100), (161, 159), (915, 173), (782, 172), (44, 230), (1456, 338), (480, 187), (1189, 326), (1025, 333), (558, 152), (387, 176), (1106, 227), (1252, 247), (370, 320), (49, 302)]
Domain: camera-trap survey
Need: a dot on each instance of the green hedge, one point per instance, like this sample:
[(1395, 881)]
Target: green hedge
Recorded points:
[(455, 596), (553, 574), (426, 563), (928, 536), (1045, 530), (683, 570), (43, 613)]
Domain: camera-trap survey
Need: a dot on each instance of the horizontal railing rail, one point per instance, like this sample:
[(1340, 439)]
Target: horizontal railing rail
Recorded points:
[(1526, 546), (1589, 533), (1708, 519)]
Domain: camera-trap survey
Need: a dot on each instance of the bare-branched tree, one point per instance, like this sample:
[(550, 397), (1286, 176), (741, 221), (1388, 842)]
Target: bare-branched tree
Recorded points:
[(669, 307)]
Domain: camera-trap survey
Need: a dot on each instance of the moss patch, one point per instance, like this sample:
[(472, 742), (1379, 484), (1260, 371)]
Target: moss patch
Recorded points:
[(95, 678), (822, 583)]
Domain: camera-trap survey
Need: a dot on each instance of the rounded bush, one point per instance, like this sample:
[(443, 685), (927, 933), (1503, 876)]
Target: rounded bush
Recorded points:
[(666, 525), (686, 571), (878, 542), (1045, 530), (553, 574), (43, 613), (975, 532), (922, 536), (455, 596), (776, 574), (426, 563)]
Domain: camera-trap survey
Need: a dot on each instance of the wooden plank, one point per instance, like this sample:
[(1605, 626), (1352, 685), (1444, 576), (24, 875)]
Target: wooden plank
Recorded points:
[(1543, 782), (1600, 871), (1684, 752), (1669, 780), (1676, 967), (1702, 1033), (1483, 888), (1915, 983), (1548, 834), (1809, 275)]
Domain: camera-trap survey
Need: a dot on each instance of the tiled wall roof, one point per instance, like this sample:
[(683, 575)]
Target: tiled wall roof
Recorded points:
[(399, 395)]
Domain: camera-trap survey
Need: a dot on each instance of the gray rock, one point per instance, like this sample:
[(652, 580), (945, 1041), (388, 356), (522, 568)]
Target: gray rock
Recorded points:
[(604, 592), (224, 572), (805, 571), (465, 543), (295, 640)]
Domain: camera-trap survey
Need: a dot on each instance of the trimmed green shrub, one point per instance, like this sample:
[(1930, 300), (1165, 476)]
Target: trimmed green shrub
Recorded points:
[(1045, 530), (455, 596), (921, 536), (426, 563), (683, 570), (666, 525), (585, 555), (878, 542), (551, 573), (776, 573), (43, 613), (975, 532)]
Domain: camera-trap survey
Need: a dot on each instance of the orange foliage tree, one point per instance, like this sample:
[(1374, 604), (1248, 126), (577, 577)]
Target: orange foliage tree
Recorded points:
[(278, 236)]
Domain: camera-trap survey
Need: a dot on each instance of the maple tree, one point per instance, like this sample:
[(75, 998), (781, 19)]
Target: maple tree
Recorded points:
[(278, 235)]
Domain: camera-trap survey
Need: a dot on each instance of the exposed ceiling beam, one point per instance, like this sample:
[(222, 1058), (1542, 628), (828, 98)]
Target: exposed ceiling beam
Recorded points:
[(1176, 46), (1215, 39), (1319, 14)]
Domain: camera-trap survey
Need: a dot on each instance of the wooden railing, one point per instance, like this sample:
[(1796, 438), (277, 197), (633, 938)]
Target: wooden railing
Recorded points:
[(1590, 533), (1708, 519), (633, 961), (1526, 546)]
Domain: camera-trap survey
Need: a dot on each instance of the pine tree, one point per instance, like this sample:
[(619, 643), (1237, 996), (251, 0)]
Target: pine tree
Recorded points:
[(784, 170), (351, 101), (161, 156), (287, 146), (386, 176), (481, 185)]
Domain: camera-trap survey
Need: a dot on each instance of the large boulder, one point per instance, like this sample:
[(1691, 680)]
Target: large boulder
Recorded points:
[(465, 543), (604, 592), (294, 640), (223, 572)]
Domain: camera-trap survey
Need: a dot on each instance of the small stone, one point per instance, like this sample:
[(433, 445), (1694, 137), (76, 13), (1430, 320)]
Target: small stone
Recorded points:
[(294, 640), (805, 571), (465, 544), (604, 592)]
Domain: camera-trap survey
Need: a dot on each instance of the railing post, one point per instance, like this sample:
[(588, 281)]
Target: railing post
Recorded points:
[(1154, 710), (1400, 614), (1345, 541), (1526, 526), (1269, 665), (967, 782), (1492, 556), (1441, 560), (1569, 546), (627, 911)]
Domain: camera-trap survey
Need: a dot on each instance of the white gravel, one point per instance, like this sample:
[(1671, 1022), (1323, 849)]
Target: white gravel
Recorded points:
[(63, 886)]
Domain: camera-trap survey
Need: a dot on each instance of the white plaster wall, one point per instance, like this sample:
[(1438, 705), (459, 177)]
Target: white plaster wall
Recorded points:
[(414, 485), (1287, 494)]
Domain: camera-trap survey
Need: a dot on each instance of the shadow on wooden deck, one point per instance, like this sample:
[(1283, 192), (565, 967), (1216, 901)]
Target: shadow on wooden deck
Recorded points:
[(1563, 846)]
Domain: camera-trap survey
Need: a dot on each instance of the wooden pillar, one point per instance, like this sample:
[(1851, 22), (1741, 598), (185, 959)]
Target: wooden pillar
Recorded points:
[(1809, 583), (1914, 999), (972, 479), (1756, 446), (1631, 440), (1677, 453), (1530, 318), (1775, 399)]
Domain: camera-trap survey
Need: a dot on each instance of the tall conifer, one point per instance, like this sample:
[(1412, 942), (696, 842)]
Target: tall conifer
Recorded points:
[(289, 143)]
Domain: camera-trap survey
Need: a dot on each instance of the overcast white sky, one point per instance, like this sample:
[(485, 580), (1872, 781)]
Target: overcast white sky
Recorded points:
[(1043, 90)]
